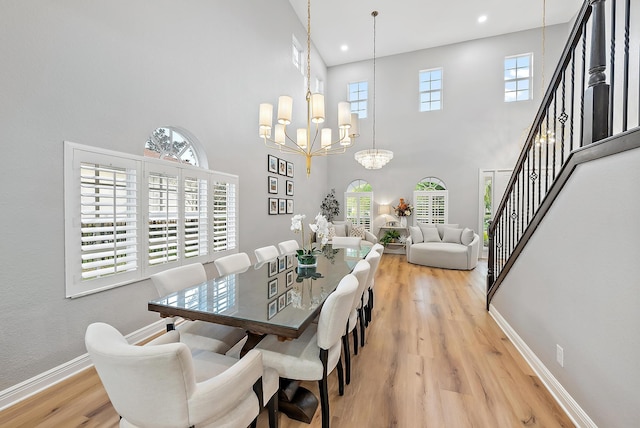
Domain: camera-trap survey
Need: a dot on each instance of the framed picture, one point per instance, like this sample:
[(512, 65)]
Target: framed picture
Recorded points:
[(273, 268), (282, 263), (273, 205), (289, 297), (289, 187), (290, 169), (272, 164), (282, 167), (273, 184), (289, 206), (273, 288), (282, 301), (272, 309), (289, 279), (282, 206), (290, 261)]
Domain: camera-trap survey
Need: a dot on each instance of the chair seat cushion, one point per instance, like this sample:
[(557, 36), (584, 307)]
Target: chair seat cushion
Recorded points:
[(209, 336), (298, 358)]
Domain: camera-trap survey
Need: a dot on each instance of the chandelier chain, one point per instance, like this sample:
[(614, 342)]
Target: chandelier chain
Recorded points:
[(374, 14), (308, 48)]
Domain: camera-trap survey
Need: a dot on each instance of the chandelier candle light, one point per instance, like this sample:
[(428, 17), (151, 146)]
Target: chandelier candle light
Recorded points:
[(374, 158), (305, 142)]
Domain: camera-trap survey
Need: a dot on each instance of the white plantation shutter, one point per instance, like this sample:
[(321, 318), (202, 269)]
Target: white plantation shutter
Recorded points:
[(224, 213), (358, 208), (127, 217), (195, 217), (163, 217), (108, 220), (431, 206)]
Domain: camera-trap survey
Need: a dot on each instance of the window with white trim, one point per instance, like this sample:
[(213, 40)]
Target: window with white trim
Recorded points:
[(431, 204), (296, 54), (357, 96), (358, 202), (430, 87), (127, 217), (518, 78)]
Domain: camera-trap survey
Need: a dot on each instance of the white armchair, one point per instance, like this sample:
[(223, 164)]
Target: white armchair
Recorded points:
[(162, 384)]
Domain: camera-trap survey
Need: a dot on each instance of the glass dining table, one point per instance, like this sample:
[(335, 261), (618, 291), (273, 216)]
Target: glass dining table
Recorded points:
[(276, 297)]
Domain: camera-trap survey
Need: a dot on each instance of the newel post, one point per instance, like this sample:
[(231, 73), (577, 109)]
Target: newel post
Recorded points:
[(596, 98), (490, 260)]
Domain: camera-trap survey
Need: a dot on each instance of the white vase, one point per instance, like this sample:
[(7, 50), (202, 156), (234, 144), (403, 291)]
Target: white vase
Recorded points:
[(403, 221)]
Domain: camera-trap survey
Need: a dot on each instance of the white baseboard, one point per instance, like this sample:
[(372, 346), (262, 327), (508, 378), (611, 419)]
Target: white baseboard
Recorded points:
[(36, 384), (570, 406)]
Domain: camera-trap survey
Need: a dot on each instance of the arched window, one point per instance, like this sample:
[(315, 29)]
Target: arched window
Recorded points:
[(431, 201), (175, 144), (358, 202)]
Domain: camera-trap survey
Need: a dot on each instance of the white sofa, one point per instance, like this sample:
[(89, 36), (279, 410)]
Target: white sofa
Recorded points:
[(346, 228), (443, 246)]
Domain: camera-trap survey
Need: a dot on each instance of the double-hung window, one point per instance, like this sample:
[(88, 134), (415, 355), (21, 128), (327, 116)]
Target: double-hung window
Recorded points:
[(430, 86), (518, 78), (127, 217), (358, 94)]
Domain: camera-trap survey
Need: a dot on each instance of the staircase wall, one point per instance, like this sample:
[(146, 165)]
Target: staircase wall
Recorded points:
[(577, 285)]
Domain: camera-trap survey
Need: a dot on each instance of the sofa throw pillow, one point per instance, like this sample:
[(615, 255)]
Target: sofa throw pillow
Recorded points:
[(430, 234), (332, 232), (416, 234), (467, 236), (442, 227), (347, 226), (340, 229), (357, 232), (452, 235)]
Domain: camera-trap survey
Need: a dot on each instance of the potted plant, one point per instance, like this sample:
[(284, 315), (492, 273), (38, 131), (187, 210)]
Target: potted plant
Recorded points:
[(389, 237)]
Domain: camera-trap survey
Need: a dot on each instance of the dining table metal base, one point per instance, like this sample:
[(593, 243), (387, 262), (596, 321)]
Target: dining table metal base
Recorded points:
[(296, 402)]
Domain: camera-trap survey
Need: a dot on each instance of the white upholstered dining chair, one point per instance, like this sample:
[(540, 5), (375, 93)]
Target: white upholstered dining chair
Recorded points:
[(164, 384), (265, 254), (374, 260), (198, 334), (361, 272), (317, 352), (378, 248), (288, 247), (233, 263)]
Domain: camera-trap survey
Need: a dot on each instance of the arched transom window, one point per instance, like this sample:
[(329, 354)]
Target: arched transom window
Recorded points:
[(175, 144)]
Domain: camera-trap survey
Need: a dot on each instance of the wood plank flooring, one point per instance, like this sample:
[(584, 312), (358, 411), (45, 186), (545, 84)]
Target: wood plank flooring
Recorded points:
[(434, 358)]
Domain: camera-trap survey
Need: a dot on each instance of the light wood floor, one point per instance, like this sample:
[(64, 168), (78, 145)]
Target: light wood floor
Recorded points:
[(434, 358)]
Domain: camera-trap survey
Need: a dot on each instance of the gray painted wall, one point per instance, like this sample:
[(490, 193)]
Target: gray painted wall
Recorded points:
[(106, 74), (582, 292), (475, 129)]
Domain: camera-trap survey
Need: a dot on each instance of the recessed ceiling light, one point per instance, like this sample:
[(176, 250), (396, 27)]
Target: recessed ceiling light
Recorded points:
[(482, 18), (344, 48)]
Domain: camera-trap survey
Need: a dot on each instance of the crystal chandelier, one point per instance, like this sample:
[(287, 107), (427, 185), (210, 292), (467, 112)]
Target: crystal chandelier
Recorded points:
[(306, 141), (374, 158)]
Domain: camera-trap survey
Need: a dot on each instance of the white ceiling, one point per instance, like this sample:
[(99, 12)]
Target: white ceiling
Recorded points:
[(409, 25)]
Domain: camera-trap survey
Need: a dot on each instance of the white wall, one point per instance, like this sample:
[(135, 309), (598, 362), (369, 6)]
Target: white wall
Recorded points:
[(106, 74), (576, 285), (476, 128)]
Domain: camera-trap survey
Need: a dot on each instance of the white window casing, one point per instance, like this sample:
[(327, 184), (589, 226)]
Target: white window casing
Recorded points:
[(127, 217)]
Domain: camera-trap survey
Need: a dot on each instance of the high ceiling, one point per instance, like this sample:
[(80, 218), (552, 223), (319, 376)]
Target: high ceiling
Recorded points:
[(409, 25)]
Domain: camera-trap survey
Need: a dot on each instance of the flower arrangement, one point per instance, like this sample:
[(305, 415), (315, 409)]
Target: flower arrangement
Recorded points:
[(307, 254), (404, 209)]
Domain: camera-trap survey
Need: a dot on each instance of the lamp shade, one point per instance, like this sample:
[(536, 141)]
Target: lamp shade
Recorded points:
[(384, 209)]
